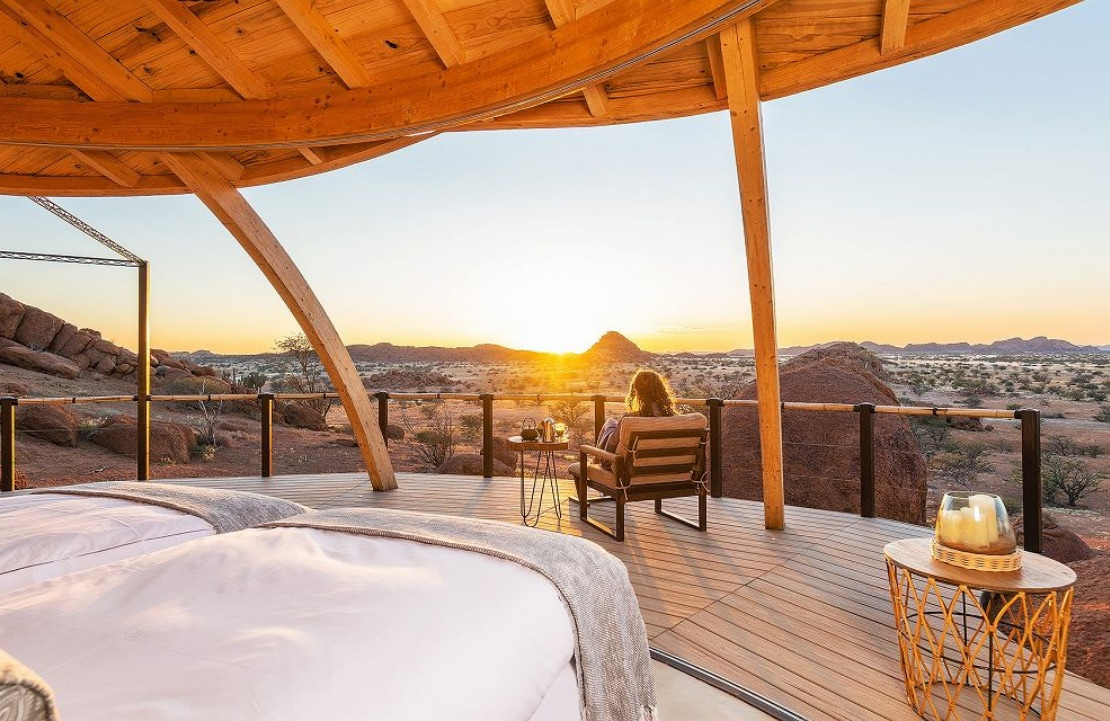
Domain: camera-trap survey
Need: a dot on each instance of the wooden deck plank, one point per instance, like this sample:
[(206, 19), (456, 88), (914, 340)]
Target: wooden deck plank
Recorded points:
[(801, 616)]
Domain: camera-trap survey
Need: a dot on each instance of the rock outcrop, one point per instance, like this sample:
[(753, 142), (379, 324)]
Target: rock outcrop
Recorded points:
[(36, 340), (39, 361), (301, 416), (169, 442), (470, 464), (821, 449), (50, 423), (1057, 542)]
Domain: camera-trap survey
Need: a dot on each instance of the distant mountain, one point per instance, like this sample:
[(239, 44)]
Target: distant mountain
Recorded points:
[(1040, 345), (615, 348)]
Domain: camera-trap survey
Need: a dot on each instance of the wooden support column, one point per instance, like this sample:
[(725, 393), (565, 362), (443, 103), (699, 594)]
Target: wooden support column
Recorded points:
[(227, 204), (742, 82), (142, 377)]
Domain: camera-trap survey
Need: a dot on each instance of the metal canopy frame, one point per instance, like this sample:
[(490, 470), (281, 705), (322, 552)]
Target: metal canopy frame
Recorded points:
[(127, 259)]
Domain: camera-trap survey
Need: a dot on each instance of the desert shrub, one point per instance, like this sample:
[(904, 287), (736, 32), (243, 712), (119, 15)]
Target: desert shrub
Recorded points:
[(470, 427), (1103, 415), (307, 373), (435, 443), (932, 434), (254, 381), (577, 417), (961, 465)]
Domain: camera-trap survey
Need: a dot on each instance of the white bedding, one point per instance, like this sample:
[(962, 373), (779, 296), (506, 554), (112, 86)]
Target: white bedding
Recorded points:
[(46, 535), (284, 624)]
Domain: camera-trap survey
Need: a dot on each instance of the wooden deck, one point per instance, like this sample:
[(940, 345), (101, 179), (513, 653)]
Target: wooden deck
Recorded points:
[(800, 616)]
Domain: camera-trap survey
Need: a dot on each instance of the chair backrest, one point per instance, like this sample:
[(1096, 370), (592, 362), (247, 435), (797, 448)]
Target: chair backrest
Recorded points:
[(658, 450)]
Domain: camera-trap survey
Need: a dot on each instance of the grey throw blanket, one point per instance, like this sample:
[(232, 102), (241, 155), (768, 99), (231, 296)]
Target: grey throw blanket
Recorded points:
[(224, 510), (23, 695), (611, 648)]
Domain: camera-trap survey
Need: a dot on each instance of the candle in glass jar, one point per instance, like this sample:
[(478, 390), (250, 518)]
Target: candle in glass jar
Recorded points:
[(985, 506)]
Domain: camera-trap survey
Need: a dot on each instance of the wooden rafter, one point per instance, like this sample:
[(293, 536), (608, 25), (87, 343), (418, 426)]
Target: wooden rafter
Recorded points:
[(312, 155), (597, 100), (327, 42), (62, 45), (439, 33), (231, 168), (742, 77), (896, 18), (210, 48), (42, 92), (958, 27), (716, 66), (241, 220), (109, 166)]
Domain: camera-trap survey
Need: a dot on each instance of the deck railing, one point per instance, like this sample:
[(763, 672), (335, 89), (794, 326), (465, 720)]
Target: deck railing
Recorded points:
[(1029, 419)]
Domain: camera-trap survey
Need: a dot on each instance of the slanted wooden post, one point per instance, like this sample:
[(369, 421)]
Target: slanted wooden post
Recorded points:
[(226, 202), (266, 404), (7, 443), (142, 377), (742, 83)]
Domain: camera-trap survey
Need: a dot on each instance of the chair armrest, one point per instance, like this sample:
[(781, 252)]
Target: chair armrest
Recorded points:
[(598, 453)]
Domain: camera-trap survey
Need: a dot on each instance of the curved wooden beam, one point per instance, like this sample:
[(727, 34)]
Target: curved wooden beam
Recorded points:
[(580, 53), (226, 203)]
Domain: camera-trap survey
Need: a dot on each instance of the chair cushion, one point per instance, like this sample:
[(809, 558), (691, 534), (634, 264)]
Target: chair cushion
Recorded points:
[(594, 473)]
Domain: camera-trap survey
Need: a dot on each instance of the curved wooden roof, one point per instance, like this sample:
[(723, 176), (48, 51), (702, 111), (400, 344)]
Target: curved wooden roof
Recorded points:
[(93, 93)]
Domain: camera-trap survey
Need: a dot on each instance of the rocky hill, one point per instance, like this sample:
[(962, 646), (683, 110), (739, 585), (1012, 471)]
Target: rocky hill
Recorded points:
[(1041, 345), (615, 348)]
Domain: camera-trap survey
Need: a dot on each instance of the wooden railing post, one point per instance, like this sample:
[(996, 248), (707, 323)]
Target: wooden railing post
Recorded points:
[(866, 459), (1031, 492), (266, 403), (487, 435), (599, 414), (7, 443), (716, 482), (142, 378), (383, 414)]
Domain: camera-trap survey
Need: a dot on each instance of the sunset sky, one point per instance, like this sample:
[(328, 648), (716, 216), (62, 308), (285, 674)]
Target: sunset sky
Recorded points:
[(961, 197)]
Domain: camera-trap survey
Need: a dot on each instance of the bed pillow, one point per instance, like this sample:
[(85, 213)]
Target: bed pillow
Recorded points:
[(23, 695)]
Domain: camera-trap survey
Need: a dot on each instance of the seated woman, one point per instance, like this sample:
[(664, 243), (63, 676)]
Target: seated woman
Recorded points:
[(649, 396)]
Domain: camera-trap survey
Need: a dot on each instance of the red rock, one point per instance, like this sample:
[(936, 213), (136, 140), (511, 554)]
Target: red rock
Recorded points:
[(77, 343), (50, 423), (37, 329), (204, 371), (65, 334), (821, 450), (1057, 542), (300, 416), (169, 442), (14, 389), (105, 366), (470, 464), (11, 313), (105, 346), (39, 361), (124, 369), (82, 361)]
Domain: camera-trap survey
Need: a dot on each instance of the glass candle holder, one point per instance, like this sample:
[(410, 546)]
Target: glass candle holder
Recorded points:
[(975, 523), (560, 430)]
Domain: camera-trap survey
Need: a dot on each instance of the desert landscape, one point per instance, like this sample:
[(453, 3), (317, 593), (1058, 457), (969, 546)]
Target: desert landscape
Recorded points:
[(915, 460)]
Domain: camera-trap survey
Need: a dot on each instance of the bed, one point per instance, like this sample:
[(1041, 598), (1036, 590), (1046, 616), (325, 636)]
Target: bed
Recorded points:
[(310, 618), (51, 532)]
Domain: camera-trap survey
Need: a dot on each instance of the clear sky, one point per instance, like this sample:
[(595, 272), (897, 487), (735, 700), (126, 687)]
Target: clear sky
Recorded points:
[(961, 197)]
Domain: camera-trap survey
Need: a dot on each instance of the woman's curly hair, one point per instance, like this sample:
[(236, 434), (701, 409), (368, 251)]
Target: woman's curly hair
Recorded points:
[(649, 395)]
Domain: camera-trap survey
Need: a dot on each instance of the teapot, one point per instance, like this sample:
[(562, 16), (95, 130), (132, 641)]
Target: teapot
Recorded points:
[(529, 432), (547, 430)]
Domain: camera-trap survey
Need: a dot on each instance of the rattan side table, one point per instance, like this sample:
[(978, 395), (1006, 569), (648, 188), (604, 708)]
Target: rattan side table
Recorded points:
[(979, 644)]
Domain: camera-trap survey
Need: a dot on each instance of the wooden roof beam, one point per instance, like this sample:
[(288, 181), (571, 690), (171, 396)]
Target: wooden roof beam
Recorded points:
[(232, 209), (716, 66), (434, 26), (311, 155), (562, 12), (896, 18), (219, 57), (741, 65), (62, 45), (109, 166), (325, 38)]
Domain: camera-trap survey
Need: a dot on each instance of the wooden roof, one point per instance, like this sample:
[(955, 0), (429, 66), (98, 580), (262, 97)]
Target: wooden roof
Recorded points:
[(93, 93)]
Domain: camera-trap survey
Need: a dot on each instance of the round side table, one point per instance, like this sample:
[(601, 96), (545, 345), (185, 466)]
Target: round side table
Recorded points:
[(985, 644), (547, 480)]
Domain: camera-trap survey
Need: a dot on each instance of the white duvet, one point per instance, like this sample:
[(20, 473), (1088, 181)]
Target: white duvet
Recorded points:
[(47, 535), (283, 624)]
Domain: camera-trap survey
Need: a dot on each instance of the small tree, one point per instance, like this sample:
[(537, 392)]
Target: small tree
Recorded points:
[(434, 443), (470, 427), (210, 412), (961, 465), (574, 414), (254, 381), (1063, 471), (932, 434), (307, 375)]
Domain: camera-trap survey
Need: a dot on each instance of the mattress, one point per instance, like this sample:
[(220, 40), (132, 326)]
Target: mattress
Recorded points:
[(47, 535), (299, 624)]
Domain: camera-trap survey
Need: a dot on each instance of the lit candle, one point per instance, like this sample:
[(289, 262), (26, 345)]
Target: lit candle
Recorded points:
[(985, 506)]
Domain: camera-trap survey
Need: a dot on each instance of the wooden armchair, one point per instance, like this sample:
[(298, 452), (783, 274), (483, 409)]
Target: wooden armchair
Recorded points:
[(656, 458)]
